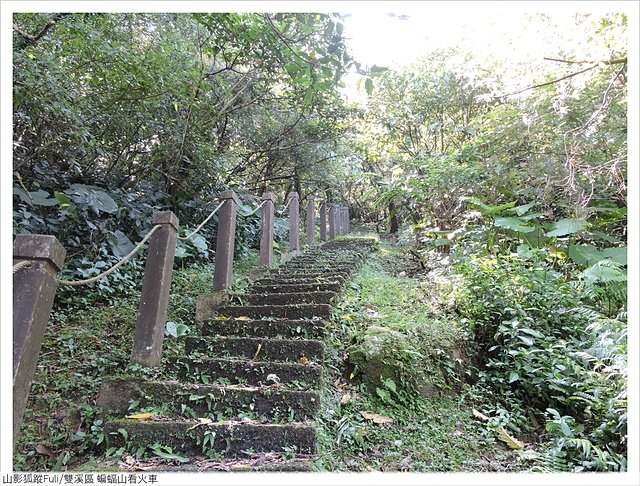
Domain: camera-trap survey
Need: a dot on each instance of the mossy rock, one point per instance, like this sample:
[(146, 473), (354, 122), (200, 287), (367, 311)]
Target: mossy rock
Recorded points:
[(375, 358), (385, 354)]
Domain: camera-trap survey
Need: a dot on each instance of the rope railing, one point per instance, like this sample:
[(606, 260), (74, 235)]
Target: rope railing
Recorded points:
[(183, 238), (124, 260), (254, 211), (281, 212), (32, 309), (20, 265)]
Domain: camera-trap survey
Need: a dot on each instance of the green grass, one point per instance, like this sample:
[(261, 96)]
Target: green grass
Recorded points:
[(394, 355)]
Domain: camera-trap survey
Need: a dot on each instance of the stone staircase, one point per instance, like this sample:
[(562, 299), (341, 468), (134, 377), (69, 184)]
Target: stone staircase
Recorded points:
[(246, 393)]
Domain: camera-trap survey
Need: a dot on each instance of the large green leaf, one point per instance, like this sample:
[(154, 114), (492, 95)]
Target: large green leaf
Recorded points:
[(120, 244), (567, 226), (522, 209), (37, 198), (200, 242), (93, 197), (604, 273), (487, 208), (585, 254), (617, 254), (515, 224)]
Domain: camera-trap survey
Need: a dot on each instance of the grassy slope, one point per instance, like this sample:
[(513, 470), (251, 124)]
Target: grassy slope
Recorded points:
[(399, 314)]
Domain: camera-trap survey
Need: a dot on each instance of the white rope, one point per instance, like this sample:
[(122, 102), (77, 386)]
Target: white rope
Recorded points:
[(255, 210), (115, 267), (21, 265), (202, 224), (281, 212)]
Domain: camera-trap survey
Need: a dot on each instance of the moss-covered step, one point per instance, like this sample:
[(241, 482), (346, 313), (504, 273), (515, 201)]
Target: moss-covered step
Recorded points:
[(215, 401), (286, 299), (287, 280), (311, 273), (240, 371), (297, 311), (247, 462), (292, 288), (273, 328), (231, 438), (262, 349)]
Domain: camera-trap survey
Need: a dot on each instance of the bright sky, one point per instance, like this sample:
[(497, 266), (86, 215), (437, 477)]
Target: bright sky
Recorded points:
[(398, 33)]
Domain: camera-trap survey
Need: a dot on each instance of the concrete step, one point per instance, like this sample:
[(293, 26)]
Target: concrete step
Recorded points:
[(295, 280), (251, 373), (292, 288), (213, 401), (271, 328), (261, 349), (298, 311), (231, 438), (285, 299), (247, 462), (303, 273)]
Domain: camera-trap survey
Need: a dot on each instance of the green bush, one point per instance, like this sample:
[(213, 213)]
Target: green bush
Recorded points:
[(539, 347)]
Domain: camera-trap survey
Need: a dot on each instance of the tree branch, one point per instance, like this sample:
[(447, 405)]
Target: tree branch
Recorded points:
[(610, 62), (29, 39)]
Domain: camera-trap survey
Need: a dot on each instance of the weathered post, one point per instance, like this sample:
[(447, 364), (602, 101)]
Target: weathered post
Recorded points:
[(266, 227), (33, 291), (311, 221), (332, 221), (226, 241), (323, 221), (294, 222), (348, 220), (156, 285), (342, 225)]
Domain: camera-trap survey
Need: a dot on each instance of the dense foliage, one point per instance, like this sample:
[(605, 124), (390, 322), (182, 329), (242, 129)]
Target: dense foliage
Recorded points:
[(527, 190), (120, 115), (516, 170)]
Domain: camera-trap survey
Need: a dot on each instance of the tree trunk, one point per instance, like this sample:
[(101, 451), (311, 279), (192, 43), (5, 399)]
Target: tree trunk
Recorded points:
[(393, 219)]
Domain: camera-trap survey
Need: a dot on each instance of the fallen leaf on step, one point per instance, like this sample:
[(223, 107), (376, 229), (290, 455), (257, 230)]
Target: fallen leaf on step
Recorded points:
[(346, 317), (203, 421), (378, 419), (479, 415), (222, 318), (303, 360), (140, 416), (512, 442), (345, 398), (257, 351), (243, 318), (43, 449)]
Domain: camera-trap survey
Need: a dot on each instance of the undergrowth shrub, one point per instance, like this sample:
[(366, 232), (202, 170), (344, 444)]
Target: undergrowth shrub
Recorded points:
[(540, 348)]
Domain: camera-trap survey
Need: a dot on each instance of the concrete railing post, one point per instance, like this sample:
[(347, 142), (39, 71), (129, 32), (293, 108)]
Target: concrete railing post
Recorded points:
[(294, 222), (332, 221), (156, 285), (344, 220), (323, 221), (34, 289), (311, 220), (225, 244), (348, 221), (266, 230)]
